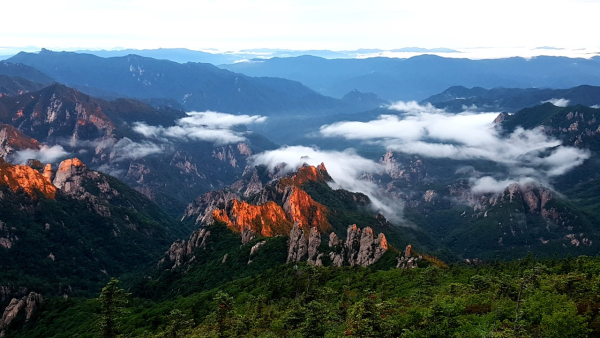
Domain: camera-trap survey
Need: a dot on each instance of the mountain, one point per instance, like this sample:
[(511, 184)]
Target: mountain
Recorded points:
[(24, 72), (170, 171), (17, 85), (12, 141), (421, 76), (66, 231), (458, 98), (196, 86)]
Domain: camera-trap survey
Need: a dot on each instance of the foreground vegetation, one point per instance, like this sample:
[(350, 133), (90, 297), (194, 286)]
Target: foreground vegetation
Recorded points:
[(522, 298)]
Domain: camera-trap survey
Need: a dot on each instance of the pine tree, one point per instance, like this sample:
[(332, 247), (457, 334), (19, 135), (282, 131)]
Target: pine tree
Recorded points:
[(112, 306)]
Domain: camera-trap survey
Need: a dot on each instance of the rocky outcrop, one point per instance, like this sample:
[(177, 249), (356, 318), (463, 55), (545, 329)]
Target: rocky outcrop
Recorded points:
[(501, 117), (18, 307), (254, 249), (272, 211), (414, 172), (13, 140), (297, 245), (22, 177), (74, 179), (361, 247), (364, 249), (314, 242), (268, 219), (247, 235), (182, 251), (201, 210), (407, 260)]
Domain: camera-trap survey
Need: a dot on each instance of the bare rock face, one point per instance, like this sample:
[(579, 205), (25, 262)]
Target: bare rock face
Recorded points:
[(334, 240), (298, 245), (361, 247), (13, 140), (72, 178), (314, 241), (182, 251), (247, 235), (201, 210), (407, 260), (254, 249), (366, 250), (352, 244), (24, 306), (501, 117), (22, 177)]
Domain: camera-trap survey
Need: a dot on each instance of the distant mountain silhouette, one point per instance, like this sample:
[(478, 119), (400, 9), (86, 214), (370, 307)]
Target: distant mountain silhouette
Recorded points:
[(510, 99), (196, 86), (421, 76)]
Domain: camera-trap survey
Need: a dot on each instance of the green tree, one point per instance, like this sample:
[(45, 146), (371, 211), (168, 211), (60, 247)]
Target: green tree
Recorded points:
[(179, 326), (112, 306)]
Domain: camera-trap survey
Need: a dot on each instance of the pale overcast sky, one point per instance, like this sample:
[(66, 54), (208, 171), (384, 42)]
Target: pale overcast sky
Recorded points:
[(299, 24)]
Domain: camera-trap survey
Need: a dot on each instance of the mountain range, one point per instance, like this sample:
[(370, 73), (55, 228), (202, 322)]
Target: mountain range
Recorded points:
[(419, 77), (184, 205)]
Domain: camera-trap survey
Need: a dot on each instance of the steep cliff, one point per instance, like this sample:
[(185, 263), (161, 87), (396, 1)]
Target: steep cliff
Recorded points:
[(270, 211)]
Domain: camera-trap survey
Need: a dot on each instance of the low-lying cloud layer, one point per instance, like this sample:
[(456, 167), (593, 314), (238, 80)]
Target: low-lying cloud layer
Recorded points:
[(345, 167), (206, 126), (432, 132), (44, 154), (558, 102)]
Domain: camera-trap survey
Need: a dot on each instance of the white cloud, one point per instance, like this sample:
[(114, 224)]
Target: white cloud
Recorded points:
[(489, 184), (206, 126), (345, 167), (558, 102), (45, 154), (431, 132), (127, 149)]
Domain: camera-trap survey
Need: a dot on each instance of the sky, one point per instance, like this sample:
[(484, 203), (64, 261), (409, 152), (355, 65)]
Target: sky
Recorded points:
[(231, 25)]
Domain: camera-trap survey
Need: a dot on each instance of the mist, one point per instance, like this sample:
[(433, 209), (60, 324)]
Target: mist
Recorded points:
[(431, 132), (206, 126), (44, 154), (345, 167)]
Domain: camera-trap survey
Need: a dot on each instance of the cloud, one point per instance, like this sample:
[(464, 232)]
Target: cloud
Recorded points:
[(206, 126), (126, 149), (558, 102), (345, 167), (432, 132), (45, 154), (489, 184)]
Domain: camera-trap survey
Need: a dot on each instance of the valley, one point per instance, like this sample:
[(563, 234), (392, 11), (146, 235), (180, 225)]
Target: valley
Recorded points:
[(299, 196)]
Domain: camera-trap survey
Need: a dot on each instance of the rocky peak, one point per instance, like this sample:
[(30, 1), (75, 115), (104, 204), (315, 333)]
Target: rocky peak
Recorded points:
[(414, 172), (361, 247), (73, 178), (26, 178), (501, 117), (182, 251), (25, 306), (272, 211), (13, 140), (297, 245)]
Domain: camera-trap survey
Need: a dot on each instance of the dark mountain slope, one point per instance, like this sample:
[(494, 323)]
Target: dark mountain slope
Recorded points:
[(66, 232), (26, 72), (16, 85), (458, 98)]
